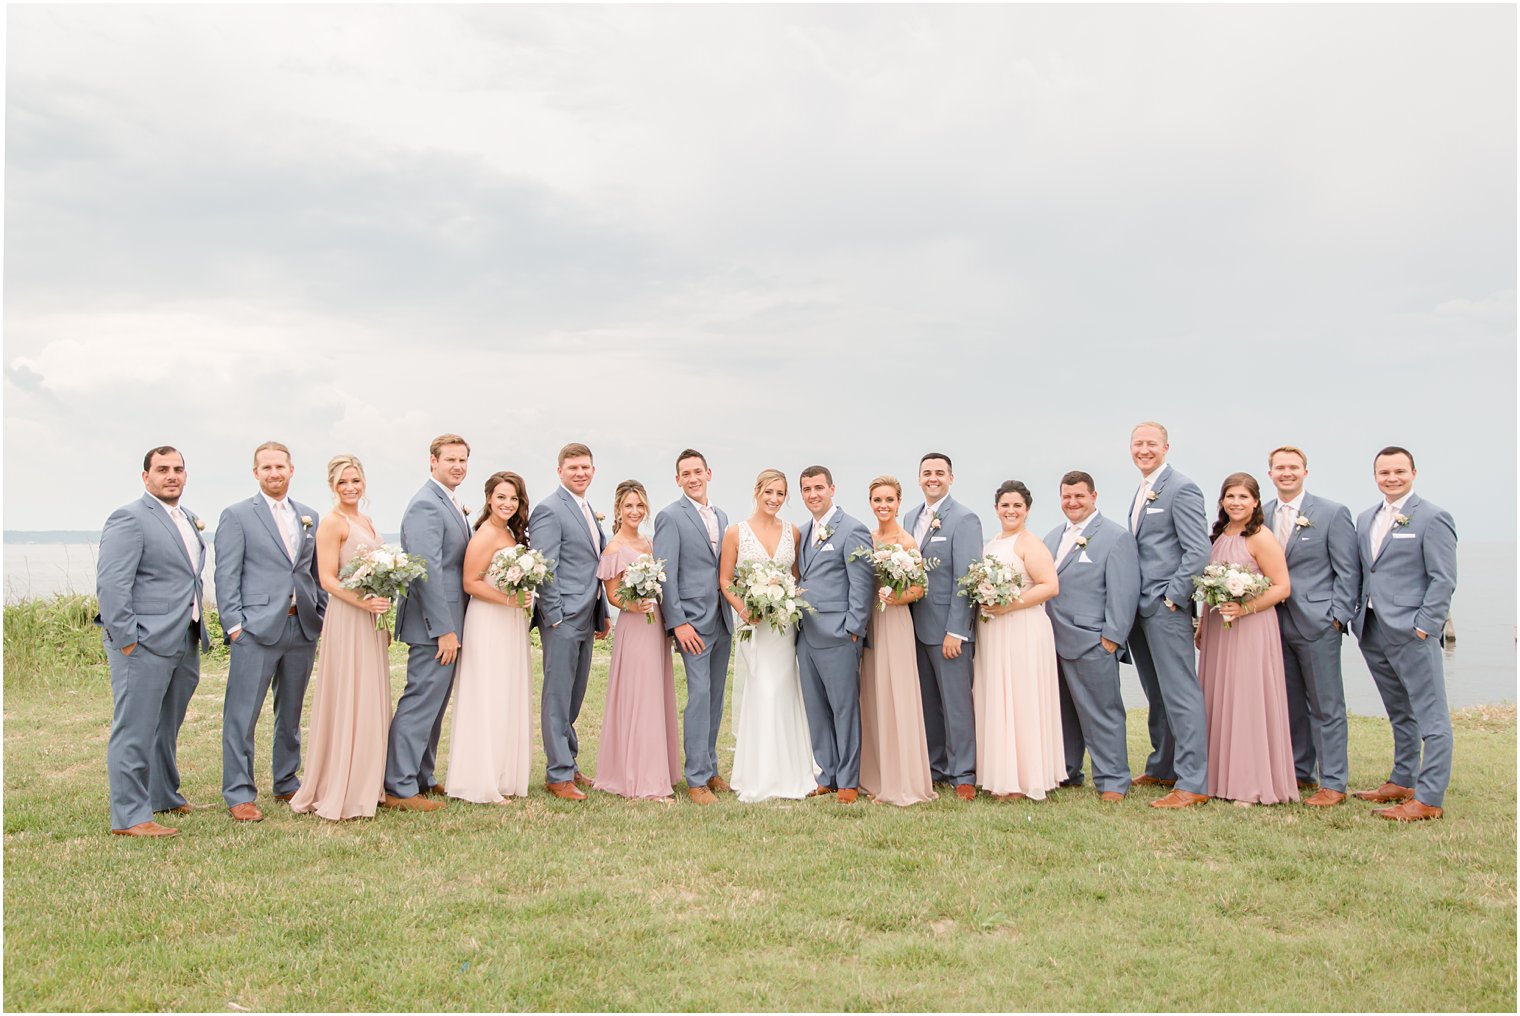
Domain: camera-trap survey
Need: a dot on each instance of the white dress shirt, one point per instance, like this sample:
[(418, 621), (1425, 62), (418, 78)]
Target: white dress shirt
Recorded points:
[(192, 547), (1287, 519), (1146, 481), (709, 518), (1069, 538)]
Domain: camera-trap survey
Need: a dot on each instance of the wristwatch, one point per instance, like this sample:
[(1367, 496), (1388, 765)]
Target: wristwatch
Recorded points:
[(1169, 604)]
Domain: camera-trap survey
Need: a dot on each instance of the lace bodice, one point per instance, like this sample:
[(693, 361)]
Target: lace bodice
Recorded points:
[(751, 549)]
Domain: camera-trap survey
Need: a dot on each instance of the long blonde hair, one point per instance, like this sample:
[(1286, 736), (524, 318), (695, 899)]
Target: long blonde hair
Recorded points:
[(623, 490)]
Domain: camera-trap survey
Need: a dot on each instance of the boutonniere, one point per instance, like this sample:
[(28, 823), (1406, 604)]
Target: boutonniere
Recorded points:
[(465, 508), (1303, 522), (600, 517), (822, 534), (1151, 495), (200, 526), (1081, 542), (305, 521), (934, 520), (1401, 520)]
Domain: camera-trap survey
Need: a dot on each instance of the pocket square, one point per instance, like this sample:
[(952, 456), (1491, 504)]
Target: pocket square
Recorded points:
[(1405, 536), (826, 547), (1154, 511), (1084, 559), (938, 539)]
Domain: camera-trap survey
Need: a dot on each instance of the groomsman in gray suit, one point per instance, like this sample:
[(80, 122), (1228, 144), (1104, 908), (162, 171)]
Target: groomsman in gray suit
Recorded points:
[(1172, 538), (687, 536), (1099, 572), (271, 604), (148, 583), (829, 643), (945, 626), (571, 613), (429, 618), (1319, 540), (1408, 550)]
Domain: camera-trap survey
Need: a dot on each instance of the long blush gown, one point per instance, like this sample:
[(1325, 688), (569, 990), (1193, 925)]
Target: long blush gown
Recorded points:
[(492, 741), (638, 757), (1245, 698), (1016, 696), (894, 752), (351, 708)]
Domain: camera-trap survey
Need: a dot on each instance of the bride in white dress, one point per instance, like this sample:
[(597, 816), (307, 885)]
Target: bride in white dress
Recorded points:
[(773, 756)]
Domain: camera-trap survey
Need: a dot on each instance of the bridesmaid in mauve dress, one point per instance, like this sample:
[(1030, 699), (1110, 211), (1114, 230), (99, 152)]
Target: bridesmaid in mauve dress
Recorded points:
[(894, 751), (1244, 693), (351, 708), (638, 756), (1019, 750), (491, 743)]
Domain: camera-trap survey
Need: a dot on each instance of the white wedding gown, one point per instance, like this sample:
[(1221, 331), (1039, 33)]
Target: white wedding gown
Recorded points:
[(773, 756)]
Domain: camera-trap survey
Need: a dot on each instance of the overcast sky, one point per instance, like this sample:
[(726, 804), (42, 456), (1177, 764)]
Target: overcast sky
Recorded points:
[(781, 235)]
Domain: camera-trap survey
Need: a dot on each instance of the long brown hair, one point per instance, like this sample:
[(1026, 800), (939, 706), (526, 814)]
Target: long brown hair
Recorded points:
[(517, 525), (1256, 521), (623, 490)]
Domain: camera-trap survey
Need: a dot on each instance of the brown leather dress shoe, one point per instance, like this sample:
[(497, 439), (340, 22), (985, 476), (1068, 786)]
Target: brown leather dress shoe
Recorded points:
[(581, 780), (1386, 794), (417, 803), (1307, 785), (847, 795), (1010, 797), (285, 797), (1147, 780), (718, 785), (1111, 797), (1324, 797), (965, 791), (146, 829), (566, 791), (1179, 799), (246, 812), (820, 791), (1410, 811), (436, 790), (701, 795)]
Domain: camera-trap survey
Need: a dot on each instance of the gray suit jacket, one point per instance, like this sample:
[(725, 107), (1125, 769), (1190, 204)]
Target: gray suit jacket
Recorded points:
[(1323, 568), (256, 577), (558, 530), (691, 569), (956, 543), (1100, 588), (1172, 540), (1411, 579), (840, 590), (433, 529), (144, 579)]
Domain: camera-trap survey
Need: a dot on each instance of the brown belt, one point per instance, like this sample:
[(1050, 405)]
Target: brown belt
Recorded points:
[(292, 610)]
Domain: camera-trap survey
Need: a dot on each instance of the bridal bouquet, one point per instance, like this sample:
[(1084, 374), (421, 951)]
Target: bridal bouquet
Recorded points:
[(385, 571), (898, 568), (518, 571), (770, 595), (643, 579), (1228, 583), (990, 582)]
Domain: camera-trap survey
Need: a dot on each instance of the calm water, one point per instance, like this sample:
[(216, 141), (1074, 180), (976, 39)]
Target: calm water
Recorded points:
[(1480, 664)]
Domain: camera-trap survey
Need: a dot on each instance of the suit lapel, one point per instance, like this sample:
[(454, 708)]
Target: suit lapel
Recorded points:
[(1393, 527), (261, 509), (448, 503), (696, 520), (575, 513), (157, 509)]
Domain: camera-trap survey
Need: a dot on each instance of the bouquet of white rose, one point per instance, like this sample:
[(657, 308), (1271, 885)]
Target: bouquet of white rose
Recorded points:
[(385, 571), (898, 568), (519, 571), (770, 595), (643, 579), (1228, 583), (990, 582)]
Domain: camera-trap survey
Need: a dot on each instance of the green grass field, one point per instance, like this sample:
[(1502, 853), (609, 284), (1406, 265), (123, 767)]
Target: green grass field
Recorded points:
[(616, 905)]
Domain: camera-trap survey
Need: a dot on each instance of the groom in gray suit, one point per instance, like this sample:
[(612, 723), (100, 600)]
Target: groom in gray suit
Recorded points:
[(148, 583), (271, 604), (1408, 551), (1319, 540), (571, 613), (1172, 538), (429, 619), (945, 627), (829, 642), (1091, 617), (687, 536)]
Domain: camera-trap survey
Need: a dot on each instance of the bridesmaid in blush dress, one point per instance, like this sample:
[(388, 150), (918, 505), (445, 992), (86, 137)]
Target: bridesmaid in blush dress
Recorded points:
[(351, 708), (1244, 693), (638, 756), (894, 751), (1019, 750), (491, 743)]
